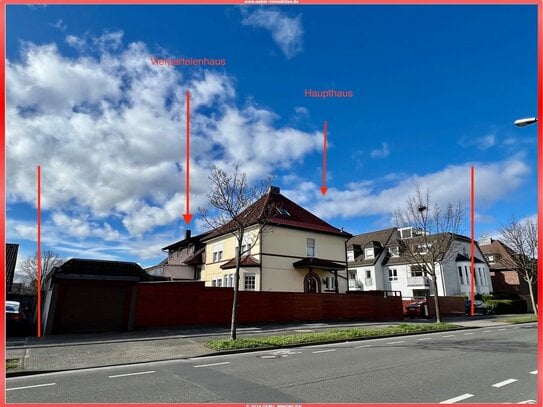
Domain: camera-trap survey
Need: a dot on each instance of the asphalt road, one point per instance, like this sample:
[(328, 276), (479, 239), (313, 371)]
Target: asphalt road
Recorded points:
[(486, 365)]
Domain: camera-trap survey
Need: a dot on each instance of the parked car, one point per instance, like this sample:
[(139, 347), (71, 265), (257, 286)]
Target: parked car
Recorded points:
[(14, 316), (417, 309), (479, 307)]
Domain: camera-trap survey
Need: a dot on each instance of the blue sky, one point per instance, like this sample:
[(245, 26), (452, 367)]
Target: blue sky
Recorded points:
[(435, 90)]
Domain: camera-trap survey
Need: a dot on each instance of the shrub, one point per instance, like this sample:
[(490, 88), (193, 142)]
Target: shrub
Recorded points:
[(508, 306)]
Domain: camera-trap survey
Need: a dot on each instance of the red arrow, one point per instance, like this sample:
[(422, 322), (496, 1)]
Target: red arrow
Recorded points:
[(187, 215), (323, 187)]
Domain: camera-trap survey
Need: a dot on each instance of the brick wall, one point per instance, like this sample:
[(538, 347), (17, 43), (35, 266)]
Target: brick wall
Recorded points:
[(191, 304)]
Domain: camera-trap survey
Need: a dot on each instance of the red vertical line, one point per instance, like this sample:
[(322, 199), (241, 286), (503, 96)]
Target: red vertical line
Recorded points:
[(38, 271), (472, 213), (324, 158), (187, 180), (540, 196)]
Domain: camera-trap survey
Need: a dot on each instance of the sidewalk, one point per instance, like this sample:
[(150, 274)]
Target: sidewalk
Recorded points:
[(66, 352)]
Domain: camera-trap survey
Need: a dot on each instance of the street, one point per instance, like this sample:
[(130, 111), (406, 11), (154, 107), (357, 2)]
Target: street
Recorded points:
[(485, 365)]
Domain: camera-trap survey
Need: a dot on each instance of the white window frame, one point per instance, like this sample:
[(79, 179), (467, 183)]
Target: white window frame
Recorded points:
[(330, 283), (246, 286), (392, 275), (311, 247), (369, 253), (217, 252)]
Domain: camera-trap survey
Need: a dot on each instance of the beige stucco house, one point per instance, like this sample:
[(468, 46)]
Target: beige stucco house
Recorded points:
[(295, 252)]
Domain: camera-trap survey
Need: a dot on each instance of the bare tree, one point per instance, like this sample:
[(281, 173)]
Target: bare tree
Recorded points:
[(239, 207), (521, 237), (28, 269), (435, 230)]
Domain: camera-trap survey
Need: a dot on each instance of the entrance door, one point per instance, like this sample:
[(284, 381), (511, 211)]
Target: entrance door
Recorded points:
[(312, 283)]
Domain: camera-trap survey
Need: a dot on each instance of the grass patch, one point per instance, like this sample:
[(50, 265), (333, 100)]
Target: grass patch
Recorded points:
[(521, 319), (12, 364), (325, 336)]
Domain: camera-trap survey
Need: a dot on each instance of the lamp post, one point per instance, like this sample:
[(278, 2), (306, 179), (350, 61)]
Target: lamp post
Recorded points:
[(525, 121)]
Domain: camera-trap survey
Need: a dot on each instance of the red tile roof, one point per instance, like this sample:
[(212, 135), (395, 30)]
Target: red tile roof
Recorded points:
[(246, 261), (270, 203)]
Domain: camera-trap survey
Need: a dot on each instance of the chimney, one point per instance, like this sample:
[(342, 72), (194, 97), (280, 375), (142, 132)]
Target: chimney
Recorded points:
[(187, 234), (274, 190)]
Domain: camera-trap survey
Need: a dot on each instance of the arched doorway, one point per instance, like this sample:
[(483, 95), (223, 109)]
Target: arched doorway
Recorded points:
[(312, 283)]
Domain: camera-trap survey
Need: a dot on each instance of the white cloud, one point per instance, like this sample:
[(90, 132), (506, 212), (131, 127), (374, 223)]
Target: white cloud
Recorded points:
[(493, 182), (60, 25), (482, 143), (108, 130), (382, 152), (287, 32)]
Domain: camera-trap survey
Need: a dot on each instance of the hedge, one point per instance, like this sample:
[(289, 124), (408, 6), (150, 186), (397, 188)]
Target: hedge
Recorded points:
[(508, 306)]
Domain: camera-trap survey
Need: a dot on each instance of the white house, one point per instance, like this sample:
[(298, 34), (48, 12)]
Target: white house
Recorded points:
[(377, 261)]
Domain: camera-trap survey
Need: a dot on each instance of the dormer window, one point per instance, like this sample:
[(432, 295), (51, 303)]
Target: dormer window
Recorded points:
[(394, 251), (369, 253), (491, 258)]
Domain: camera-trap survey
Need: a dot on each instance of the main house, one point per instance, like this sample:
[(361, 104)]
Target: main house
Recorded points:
[(378, 261), (295, 252)]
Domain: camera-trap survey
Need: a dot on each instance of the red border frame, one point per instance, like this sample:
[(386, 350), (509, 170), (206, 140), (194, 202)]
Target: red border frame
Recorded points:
[(539, 5)]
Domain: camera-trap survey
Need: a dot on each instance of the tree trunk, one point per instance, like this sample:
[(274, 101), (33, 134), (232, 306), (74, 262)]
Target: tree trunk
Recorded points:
[(436, 298), (234, 321), (531, 288)]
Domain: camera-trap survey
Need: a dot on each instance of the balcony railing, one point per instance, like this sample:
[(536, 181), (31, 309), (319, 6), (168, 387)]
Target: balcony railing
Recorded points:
[(418, 281)]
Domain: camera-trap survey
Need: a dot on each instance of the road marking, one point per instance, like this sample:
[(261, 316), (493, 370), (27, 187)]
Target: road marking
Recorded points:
[(505, 383), (213, 364), (31, 387), (394, 343), (487, 331), (527, 402), (469, 333), (322, 351), (533, 372), (448, 336), (502, 329), (362, 346), (131, 374), (458, 398), (424, 339)]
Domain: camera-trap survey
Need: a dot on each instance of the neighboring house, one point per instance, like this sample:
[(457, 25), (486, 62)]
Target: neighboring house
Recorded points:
[(185, 259), (377, 262), (11, 261), (296, 252), (503, 273)]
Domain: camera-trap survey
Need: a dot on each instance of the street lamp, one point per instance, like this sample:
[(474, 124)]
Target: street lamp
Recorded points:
[(525, 122)]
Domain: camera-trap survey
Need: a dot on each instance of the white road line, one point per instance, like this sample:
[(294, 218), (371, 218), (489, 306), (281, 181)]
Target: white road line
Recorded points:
[(394, 343), (362, 346), (213, 364), (458, 398), (487, 331), (533, 372), (448, 336), (469, 333), (505, 383), (31, 387), (322, 351), (502, 329), (131, 374), (424, 339), (527, 402)]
